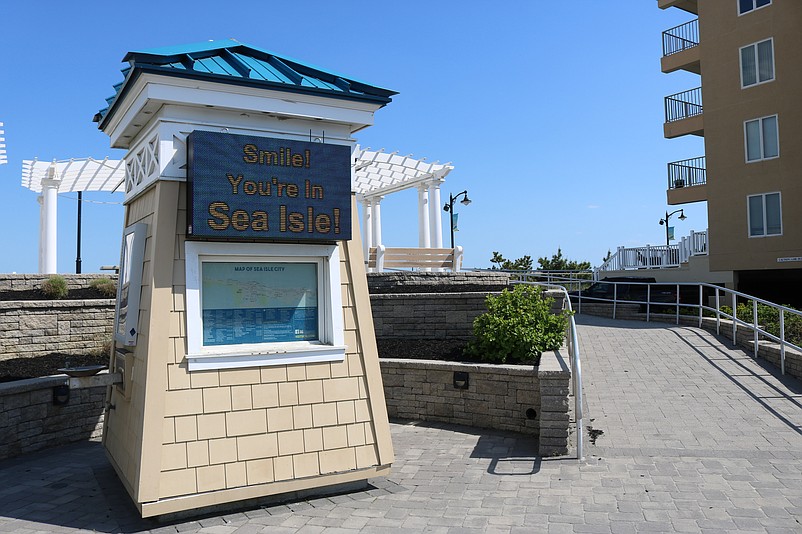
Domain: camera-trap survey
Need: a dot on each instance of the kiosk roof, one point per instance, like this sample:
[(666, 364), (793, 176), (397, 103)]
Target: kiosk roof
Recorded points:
[(233, 62)]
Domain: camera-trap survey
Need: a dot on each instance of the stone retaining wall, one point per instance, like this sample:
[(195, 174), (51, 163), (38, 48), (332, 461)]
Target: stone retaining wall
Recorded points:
[(524, 399), (30, 422), (36, 328), (432, 315), (426, 282), (27, 282)]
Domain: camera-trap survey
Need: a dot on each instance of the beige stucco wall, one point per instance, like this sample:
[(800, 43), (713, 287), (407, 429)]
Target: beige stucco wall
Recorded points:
[(183, 440), (726, 107)]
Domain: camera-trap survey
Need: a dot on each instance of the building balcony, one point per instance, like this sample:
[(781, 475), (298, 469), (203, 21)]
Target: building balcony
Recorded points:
[(686, 5), (681, 48), (687, 181), (684, 114)]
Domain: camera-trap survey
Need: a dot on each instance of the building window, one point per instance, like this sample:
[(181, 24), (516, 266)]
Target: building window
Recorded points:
[(757, 63), (253, 305), (762, 139), (765, 215), (745, 6)]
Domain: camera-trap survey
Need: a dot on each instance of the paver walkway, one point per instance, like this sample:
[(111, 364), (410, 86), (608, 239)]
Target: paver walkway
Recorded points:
[(697, 438)]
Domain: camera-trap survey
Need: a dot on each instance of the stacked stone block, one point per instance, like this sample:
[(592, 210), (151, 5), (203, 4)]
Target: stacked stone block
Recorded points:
[(30, 422), (36, 328)]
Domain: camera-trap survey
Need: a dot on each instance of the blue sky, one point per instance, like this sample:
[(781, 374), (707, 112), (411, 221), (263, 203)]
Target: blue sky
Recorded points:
[(551, 112)]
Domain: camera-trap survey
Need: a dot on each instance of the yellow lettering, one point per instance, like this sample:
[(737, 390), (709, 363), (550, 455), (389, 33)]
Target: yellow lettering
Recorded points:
[(323, 224), (296, 222), (250, 154), (239, 220), (234, 182), (259, 223), (218, 210)]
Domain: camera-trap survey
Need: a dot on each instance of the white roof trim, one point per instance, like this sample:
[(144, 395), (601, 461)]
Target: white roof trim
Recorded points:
[(83, 174), (381, 173)]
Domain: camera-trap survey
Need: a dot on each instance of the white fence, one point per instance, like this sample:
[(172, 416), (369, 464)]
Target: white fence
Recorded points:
[(657, 256)]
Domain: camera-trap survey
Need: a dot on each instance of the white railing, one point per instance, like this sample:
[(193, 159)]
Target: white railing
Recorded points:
[(685, 295), (657, 256), (572, 342)]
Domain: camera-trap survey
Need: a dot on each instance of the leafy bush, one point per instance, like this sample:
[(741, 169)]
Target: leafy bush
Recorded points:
[(517, 327), (105, 286), (55, 287)]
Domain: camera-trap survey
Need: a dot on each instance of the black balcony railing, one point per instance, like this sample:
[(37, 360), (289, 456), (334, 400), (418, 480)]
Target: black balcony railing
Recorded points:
[(687, 173), (683, 105), (681, 37)]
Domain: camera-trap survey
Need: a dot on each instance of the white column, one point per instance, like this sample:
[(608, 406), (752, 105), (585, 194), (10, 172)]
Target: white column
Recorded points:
[(41, 201), (436, 214), (377, 221), (50, 223), (367, 227), (424, 232)]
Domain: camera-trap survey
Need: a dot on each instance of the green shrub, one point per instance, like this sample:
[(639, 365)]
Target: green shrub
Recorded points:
[(55, 287), (517, 327), (105, 286)]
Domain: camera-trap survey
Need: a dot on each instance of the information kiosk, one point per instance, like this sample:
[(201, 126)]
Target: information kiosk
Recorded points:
[(244, 332)]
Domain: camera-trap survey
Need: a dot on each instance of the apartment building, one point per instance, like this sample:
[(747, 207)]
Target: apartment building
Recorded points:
[(748, 108)]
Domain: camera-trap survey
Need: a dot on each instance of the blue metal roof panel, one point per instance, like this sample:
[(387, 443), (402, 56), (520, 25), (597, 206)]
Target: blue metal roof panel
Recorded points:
[(232, 62)]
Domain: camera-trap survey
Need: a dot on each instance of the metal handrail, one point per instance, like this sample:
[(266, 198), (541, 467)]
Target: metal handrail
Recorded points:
[(717, 291), (576, 365), (687, 173), (680, 38), (683, 105)]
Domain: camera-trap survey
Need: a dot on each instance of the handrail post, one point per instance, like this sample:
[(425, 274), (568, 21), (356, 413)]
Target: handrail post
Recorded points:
[(734, 318), (718, 313), (782, 341), (615, 297), (677, 308), (648, 302), (701, 305), (754, 325)]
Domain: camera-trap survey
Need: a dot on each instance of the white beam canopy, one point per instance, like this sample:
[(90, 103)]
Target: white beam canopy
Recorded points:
[(381, 173), (84, 174), (377, 174), (74, 175)]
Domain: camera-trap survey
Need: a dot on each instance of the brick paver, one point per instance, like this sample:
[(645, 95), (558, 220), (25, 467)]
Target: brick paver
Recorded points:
[(696, 438)]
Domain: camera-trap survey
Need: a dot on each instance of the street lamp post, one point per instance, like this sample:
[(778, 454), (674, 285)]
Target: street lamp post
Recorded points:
[(681, 217), (450, 209)]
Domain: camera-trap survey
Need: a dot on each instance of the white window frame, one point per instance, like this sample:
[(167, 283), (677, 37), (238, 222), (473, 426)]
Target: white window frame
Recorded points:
[(754, 8), (331, 346), (765, 225), (762, 157), (757, 63)]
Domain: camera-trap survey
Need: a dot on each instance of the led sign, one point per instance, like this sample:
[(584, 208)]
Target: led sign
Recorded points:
[(247, 187)]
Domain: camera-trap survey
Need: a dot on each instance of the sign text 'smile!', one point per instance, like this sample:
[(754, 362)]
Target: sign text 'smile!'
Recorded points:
[(247, 187)]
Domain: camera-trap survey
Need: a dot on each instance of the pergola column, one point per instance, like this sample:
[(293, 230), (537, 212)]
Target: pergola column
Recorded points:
[(49, 222), (367, 226), (435, 214), (377, 220), (41, 201), (424, 231)]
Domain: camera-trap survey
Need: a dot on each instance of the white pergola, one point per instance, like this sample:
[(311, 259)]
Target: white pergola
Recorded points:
[(376, 174), (73, 175)]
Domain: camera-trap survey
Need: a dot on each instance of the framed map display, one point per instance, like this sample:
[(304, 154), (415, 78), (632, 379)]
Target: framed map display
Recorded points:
[(259, 302), (256, 304)]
